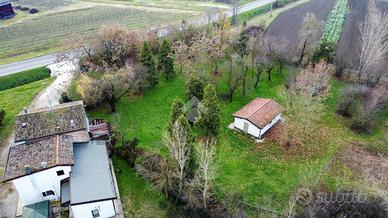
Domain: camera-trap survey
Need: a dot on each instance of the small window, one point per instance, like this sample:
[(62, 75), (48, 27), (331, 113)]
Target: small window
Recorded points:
[(95, 213), (47, 193), (60, 173)]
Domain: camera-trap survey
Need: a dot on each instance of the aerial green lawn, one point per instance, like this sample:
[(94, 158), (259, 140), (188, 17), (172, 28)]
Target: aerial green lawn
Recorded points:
[(247, 171), (263, 174), (12, 101)]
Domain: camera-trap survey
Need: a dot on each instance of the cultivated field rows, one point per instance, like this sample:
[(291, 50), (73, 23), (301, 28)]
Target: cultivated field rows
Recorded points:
[(286, 28), (48, 30)]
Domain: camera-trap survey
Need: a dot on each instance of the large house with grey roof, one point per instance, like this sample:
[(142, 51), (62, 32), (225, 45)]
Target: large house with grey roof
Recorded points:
[(54, 159)]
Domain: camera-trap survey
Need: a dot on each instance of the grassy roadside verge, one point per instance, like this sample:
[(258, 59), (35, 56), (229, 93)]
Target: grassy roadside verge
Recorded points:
[(13, 100), (243, 17), (24, 77)]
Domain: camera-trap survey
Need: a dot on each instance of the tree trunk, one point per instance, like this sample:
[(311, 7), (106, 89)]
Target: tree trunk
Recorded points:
[(245, 81), (359, 73), (303, 52), (230, 95), (269, 74), (112, 103), (258, 74), (281, 67), (180, 179), (204, 195)]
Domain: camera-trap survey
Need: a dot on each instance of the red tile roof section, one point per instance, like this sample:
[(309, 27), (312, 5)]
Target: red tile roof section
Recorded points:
[(260, 111)]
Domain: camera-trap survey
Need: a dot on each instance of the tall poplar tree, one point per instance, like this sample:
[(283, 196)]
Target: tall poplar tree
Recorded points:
[(147, 60), (166, 61), (210, 120)]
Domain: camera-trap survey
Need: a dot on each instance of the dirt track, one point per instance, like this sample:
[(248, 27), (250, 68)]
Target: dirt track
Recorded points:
[(288, 23)]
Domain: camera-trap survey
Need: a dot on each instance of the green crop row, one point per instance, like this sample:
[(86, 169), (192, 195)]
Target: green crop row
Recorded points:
[(332, 32)]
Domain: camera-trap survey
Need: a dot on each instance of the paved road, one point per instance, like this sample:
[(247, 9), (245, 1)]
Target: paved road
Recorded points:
[(28, 64), (15, 67)]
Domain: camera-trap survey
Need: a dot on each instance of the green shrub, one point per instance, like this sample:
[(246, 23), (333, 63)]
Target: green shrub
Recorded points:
[(22, 78)]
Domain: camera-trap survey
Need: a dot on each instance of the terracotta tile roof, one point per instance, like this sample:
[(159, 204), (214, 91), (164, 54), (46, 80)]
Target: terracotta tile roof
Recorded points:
[(64, 118), (260, 111), (53, 151)]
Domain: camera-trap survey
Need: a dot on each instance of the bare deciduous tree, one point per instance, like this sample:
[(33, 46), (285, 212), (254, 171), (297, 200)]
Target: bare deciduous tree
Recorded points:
[(234, 76), (110, 86), (267, 55), (114, 46), (309, 35), (206, 169), (372, 41), (313, 81), (179, 149)]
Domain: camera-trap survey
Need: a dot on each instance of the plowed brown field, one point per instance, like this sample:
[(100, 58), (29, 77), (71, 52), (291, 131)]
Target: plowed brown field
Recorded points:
[(288, 23), (347, 49)]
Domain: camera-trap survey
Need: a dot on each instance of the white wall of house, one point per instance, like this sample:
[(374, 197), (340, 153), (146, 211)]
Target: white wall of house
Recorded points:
[(252, 129), (105, 209), (30, 187), (269, 125)]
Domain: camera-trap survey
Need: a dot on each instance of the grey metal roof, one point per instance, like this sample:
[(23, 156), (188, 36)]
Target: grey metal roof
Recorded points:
[(91, 176)]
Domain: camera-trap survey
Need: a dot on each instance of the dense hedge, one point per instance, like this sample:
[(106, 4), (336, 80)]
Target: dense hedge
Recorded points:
[(332, 32), (22, 78)]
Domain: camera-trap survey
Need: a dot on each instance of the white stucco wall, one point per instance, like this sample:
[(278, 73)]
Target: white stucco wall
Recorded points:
[(105, 208), (269, 125), (30, 187), (252, 129)]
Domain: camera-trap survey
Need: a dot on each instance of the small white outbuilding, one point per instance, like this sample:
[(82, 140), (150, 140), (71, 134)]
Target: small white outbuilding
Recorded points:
[(257, 117)]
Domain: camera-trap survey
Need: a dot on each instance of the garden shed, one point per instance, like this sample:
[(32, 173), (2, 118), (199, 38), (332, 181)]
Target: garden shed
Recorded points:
[(257, 117)]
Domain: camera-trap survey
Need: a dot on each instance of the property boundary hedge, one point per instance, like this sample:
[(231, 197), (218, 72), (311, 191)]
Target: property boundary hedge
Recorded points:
[(22, 78)]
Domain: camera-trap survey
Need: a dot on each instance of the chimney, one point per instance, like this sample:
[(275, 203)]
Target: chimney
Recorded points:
[(43, 165), (28, 169)]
